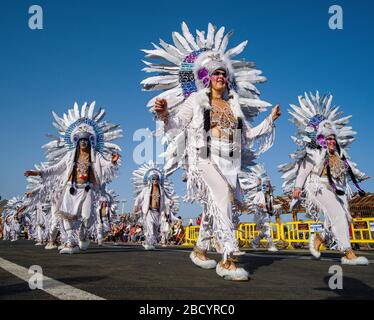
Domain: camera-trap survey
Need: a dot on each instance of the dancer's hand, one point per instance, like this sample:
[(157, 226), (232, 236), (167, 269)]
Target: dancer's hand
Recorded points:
[(276, 112), (115, 157), (30, 173), (29, 194), (296, 193), (161, 108)]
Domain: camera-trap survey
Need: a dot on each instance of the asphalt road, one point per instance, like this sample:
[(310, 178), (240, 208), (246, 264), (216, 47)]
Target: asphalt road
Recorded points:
[(129, 272)]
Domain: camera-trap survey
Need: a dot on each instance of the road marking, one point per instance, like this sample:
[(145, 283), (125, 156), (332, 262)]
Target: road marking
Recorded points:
[(51, 286)]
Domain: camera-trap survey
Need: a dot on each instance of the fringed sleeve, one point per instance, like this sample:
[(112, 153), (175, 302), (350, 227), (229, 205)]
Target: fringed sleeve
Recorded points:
[(55, 170), (180, 119), (262, 136), (108, 170), (305, 168)]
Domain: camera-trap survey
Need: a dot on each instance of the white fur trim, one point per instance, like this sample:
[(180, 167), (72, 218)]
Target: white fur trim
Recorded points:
[(202, 98), (273, 249), (204, 264), (239, 253), (239, 274), (67, 250), (316, 254), (50, 247), (83, 245), (359, 261), (148, 247)]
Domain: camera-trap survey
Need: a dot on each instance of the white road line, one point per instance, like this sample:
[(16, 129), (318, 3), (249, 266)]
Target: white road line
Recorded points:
[(53, 287)]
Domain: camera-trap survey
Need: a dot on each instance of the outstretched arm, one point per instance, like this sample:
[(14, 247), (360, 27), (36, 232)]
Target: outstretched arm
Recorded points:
[(178, 120), (54, 170), (265, 126)]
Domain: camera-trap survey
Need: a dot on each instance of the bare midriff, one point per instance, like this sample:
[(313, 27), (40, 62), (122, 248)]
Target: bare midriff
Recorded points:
[(155, 197), (82, 170)]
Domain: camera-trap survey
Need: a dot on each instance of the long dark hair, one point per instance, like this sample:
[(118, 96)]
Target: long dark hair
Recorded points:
[(349, 170), (74, 177)]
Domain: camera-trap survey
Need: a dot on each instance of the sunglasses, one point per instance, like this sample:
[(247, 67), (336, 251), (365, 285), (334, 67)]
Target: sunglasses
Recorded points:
[(219, 73)]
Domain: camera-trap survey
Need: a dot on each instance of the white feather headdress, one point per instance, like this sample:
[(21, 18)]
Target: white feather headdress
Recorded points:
[(142, 178), (82, 121), (315, 118), (182, 69)]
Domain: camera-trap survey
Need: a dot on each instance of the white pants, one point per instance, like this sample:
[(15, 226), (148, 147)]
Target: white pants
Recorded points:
[(77, 207), (103, 227), (151, 225), (39, 234), (165, 231), (54, 225), (6, 233), (217, 217), (265, 233), (335, 209)]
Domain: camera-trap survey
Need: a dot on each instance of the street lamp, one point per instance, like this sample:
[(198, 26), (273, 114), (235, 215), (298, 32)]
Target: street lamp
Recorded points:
[(123, 205)]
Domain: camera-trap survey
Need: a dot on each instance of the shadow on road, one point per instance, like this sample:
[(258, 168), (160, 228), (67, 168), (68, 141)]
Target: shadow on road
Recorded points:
[(353, 289), (251, 264)]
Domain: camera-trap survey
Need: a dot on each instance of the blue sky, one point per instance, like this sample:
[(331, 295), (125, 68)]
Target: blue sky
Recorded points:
[(90, 50)]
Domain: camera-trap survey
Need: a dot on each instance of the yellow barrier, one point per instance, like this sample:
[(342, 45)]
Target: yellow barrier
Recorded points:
[(191, 235), (291, 232), (362, 230), (297, 232), (248, 232)]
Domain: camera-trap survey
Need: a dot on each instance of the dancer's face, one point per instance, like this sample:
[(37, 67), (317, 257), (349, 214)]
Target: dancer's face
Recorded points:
[(331, 143), (155, 179), (84, 144), (219, 80)]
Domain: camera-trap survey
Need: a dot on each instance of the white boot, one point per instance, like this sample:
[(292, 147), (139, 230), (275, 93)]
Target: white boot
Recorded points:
[(205, 264), (50, 246), (358, 261), (273, 248), (70, 250), (238, 274), (38, 244), (61, 246), (239, 253), (100, 242), (148, 247), (316, 254), (83, 245)]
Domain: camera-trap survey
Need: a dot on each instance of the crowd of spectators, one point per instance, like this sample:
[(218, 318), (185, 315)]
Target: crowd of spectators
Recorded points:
[(127, 230)]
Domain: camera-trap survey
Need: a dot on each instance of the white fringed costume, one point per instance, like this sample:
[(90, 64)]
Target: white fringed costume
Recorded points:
[(324, 178), (262, 203), (47, 192), (75, 202), (153, 219), (107, 205), (11, 222), (212, 176)]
